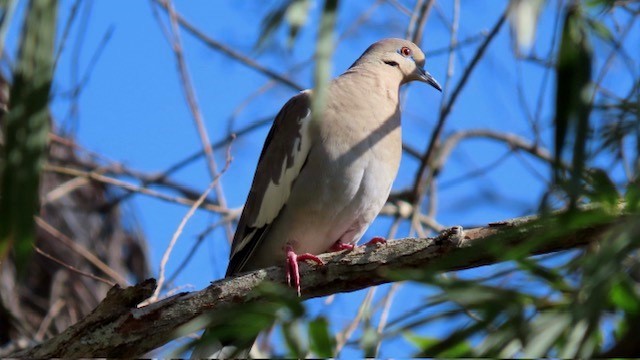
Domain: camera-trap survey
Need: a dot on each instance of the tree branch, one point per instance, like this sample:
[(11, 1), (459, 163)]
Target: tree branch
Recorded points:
[(117, 328)]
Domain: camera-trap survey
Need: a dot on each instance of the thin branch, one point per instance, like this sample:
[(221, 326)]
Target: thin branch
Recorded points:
[(421, 177), (113, 167), (400, 7), (235, 214), (52, 313), (511, 140), (195, 156), (432, 190), (183, 223), (418, 10), (384, 315), (458, 45), (218, 46), (360, 20), (344, 336), (64, 189), (82, 251), (192, 101), (421, 22), (72, 268), (174, 239), (133, 188)]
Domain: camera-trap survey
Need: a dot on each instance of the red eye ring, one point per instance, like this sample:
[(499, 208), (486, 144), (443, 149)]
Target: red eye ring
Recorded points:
[(405, 51)]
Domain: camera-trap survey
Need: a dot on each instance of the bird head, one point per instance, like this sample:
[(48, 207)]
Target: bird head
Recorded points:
[(402, 55)]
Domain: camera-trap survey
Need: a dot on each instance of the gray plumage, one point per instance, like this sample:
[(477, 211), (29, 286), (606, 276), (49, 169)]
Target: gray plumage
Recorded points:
[(324, 181), (319, 181)]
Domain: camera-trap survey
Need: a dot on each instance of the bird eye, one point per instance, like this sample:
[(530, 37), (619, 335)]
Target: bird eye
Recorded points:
[(405, 51)]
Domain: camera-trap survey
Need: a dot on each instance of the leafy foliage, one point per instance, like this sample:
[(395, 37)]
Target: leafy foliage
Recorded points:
[(26, 132), (544, 306), (274, 305), (292, 12), (573, 94)]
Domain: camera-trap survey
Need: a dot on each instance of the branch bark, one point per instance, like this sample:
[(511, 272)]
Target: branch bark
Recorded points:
[(118, 328)]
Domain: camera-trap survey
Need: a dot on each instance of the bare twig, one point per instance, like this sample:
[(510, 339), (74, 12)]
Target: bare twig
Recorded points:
[(421, 21), (174, 239), (384, 315), (72, 268), (432, 190), (344, 336), (64, 189), (82, 251), (113, 167), (73, 11), (413, 21), (233, 215), (216, 45), (183, 222), (400, 7), (458, 45), (421, 179), (192, 101), (195, 156), (131, 187), (511, 140), (52, 313), (360, 20)]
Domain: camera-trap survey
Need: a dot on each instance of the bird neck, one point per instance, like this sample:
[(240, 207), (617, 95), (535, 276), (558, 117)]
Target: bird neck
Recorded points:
[(374, 78)]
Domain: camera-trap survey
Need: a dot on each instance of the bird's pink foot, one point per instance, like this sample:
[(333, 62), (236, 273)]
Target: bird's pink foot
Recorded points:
[(293, 272), (376, 240), (339, 246)]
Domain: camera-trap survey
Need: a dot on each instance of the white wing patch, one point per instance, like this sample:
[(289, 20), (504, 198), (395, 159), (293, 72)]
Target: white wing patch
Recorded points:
[(277, 195)]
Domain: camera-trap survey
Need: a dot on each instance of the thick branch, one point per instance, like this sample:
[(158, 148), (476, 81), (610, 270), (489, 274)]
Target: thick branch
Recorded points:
[(116, 328)]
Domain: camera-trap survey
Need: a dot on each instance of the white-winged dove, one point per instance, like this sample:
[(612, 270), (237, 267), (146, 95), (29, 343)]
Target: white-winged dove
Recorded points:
[(320, 182)]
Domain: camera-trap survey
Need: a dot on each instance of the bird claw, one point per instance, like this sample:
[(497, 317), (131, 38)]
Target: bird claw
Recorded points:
[(339, 246), (376, 240), (293, 271)]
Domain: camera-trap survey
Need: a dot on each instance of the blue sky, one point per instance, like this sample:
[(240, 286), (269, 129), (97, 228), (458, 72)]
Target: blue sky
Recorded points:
[(132, 110)]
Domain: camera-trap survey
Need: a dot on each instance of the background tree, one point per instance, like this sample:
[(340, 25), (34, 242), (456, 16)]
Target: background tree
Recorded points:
[(539, 115)]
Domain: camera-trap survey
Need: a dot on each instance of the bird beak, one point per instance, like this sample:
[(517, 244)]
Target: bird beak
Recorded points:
[(426, 77)]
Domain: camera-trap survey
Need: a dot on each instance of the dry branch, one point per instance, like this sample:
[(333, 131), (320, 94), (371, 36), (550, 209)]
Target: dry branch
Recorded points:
[(117, 328)]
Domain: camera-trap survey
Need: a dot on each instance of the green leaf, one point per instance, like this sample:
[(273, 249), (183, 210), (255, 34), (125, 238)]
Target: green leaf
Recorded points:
[(461, 349), (369, 341), (270, 24), (26, 132), (623, 296), (240, 324), (297, 15), (601, 30), (294, 12), (573, 96), (321, 343), (632, 196), (604, 5), (551, 276), (603, 189)]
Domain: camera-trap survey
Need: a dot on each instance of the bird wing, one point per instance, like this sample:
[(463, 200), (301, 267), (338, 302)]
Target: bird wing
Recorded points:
[(283, 156)]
